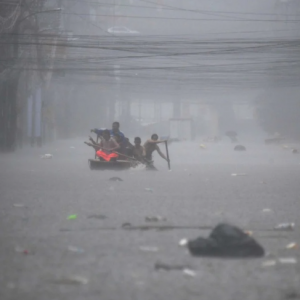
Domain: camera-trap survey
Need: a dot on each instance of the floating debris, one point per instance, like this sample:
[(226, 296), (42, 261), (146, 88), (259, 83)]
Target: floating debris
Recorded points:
[(72, 280), (285, 227), (226, 241), (21, 250), (249, 232), (115, 179), (126, 225), (150, 190), (155, 219), (47, 156), (238, 174), (189, 272), (287, 260), (267, 210), (75, 249), (269, 263), (72, 217), (292, 246), (183, 242), (149, 249), (19, 205), (170, 267)]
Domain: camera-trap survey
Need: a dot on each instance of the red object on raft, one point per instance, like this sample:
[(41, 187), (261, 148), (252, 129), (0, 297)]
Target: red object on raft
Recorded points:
[(106, 156)]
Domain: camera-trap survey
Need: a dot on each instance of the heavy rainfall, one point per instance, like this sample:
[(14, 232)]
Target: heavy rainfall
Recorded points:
[(149, 149)]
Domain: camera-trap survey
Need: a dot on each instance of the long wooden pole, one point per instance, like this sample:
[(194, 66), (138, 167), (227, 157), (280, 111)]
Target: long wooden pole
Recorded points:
[(167, 151)]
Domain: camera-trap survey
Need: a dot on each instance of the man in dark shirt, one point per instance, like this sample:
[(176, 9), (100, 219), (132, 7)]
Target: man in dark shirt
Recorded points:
[(113, 132)]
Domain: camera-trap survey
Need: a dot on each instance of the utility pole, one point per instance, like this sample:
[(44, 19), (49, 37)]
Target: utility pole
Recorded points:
[(177, 102)]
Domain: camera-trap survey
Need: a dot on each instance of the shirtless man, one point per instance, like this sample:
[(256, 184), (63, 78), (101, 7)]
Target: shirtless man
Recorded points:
[(105, 149), (138, 151), (151, 145)]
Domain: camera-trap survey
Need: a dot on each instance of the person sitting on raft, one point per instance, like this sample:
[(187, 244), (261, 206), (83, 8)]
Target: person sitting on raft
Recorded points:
[(138, 151), (105, 149), (114, 132)]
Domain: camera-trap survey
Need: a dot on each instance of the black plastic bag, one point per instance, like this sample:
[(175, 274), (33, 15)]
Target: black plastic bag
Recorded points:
[(226, 241)]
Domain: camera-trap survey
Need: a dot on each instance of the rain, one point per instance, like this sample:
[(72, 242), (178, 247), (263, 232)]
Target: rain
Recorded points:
[(149, 149)]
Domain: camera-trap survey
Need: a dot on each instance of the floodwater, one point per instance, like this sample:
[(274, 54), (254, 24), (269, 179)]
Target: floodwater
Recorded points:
[(38, 243)]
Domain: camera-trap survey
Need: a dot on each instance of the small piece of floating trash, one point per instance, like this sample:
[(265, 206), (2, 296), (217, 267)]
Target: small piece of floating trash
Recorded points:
[(149, 249), (155, 219), (47, 156), (183, 242), (21, 250), (126, 225), (170, 267), (150, 190), (75, 249), (115, 179), (266, 210), (72, 280), (292, 246), (189, 272), (269, 263), (238, 174), (249, 232), (202, 146), (72, 217), (19, 205), (287, 260), (285, 227)]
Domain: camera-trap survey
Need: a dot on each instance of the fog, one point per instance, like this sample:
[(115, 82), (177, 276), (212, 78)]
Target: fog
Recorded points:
[(206, 60)]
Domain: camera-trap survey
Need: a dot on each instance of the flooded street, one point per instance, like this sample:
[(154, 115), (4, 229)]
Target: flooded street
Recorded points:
[(209, 90), (44, 255)]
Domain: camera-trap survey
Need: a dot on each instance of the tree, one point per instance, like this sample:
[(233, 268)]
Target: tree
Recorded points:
[(21, 53)]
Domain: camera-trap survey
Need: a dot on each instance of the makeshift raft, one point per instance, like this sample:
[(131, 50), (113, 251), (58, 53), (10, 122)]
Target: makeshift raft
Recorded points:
[(96, 164)]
